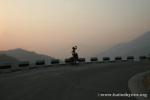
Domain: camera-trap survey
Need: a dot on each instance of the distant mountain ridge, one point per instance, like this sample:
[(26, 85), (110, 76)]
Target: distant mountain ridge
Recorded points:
[(24, 55), (137, 47)]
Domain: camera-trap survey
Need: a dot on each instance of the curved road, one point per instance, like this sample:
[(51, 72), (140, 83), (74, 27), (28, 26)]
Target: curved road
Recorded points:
[(81, 82)]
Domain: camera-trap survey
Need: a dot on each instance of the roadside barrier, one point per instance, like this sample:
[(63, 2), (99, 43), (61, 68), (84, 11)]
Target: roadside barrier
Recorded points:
[(55, 61), (130, 58), (6, 67), (24, 65), (40, 62), (118, 58), (68, 60), (94, 59), (143, 58), (106, 59), (81, 60)]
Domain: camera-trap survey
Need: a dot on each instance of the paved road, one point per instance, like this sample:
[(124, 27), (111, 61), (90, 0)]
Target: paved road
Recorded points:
[(82, 82)]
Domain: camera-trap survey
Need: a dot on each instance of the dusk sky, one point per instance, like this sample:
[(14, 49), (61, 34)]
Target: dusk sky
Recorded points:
[(52, 27)]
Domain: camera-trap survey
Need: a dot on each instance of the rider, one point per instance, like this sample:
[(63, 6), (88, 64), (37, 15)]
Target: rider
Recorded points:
[(74, 53)]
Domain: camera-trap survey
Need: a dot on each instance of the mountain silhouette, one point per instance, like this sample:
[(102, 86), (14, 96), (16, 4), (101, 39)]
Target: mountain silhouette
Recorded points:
[(24, 55), (137, 47)]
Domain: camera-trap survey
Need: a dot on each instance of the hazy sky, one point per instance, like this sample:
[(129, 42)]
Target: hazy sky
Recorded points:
[(53, 26)]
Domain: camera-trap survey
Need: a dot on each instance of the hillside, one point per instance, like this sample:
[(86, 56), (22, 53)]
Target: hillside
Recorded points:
[(137, 47), (24, 55), (6, 58)]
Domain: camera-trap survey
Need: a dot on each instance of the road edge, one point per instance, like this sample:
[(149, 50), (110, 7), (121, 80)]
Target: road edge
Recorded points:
[(136, 85)]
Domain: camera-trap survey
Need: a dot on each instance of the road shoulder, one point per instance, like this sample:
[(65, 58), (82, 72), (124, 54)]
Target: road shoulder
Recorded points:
[(136, 86)]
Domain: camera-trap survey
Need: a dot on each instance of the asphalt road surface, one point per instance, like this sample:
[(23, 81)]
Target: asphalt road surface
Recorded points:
[(81, 82)]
